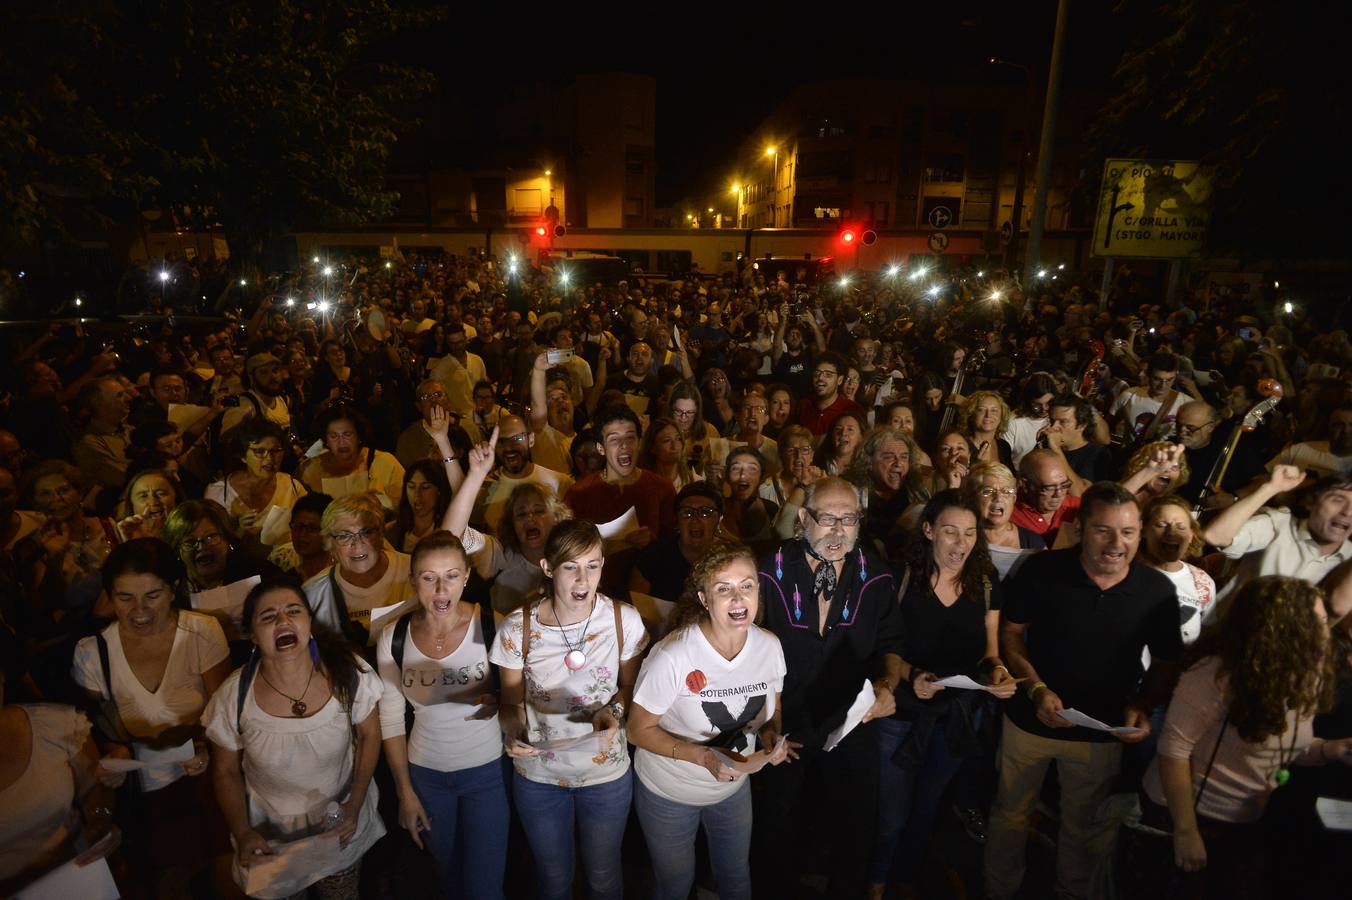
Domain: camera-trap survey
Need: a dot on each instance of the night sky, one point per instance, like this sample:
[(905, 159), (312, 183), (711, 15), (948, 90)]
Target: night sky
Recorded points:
[(717, 77)]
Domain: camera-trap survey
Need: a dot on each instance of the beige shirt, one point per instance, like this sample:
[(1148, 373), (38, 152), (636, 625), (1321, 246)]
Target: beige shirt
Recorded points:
[(102, 456), (1274, 542)]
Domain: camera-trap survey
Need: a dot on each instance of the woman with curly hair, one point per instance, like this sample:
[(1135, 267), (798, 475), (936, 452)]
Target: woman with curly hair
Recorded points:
[(715, 650), (1155, 469), (950, 610), (1241, 716)]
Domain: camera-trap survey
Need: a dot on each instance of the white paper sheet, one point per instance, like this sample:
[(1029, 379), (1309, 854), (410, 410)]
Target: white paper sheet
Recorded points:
[(226, 603), (276, 525), (315, 449), (617, 529), (293, 866), (656, 613), (862, 703), (591, 742), (91, 882), (184, 414), (754, 761), (1335, 814), (1075, 717), (166, 762), (388, 615), (962, 682)]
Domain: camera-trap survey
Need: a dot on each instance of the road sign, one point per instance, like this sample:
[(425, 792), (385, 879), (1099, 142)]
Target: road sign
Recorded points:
[(938, 241), (941, 217), (1153, 209)]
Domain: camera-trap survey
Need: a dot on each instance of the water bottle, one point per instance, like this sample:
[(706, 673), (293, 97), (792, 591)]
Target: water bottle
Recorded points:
[(333, 816)]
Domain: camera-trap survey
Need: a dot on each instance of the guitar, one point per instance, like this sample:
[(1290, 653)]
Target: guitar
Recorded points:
[(1271, 389), (1089, 379), (975, 360)]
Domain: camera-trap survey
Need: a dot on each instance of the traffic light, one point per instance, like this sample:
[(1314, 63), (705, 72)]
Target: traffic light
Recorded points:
[(848, 236), (541, 230), (560, 231), (868, 238)]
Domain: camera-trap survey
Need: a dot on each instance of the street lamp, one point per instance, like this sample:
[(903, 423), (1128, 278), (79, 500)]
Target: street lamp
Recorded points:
[(328, 271)]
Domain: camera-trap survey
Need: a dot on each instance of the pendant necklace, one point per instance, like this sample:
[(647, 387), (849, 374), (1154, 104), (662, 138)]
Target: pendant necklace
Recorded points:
[(574, 659), (298, 705)]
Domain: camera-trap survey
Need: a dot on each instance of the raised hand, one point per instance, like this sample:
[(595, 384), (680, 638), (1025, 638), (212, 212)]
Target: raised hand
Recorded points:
[(482, 456), (1286, 478)]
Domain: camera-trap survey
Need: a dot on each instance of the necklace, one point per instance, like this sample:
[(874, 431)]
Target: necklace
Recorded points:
[(298, 706), (574, 659)]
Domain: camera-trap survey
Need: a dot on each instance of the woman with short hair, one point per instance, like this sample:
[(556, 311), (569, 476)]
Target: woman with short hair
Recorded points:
[(690, 763), (568, 676), (294, 742), (1169, 538), (349, 464), (256, 491), (147, 500), (994, 490)]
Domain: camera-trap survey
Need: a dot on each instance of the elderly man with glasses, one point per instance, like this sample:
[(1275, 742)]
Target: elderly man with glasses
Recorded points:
[(1045, 502), (832, 603)]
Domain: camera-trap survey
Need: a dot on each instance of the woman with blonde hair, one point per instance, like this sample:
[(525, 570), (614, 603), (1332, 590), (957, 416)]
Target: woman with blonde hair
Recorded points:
[(987, 417), (1241, 716), (691, 768), (1155, 469), (995, 490)]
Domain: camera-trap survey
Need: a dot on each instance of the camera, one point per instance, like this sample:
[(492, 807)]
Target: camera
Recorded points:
[(798, 309)]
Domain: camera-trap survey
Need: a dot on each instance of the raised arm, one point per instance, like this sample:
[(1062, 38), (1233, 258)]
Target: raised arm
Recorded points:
[(439, 426), (481, 458), (1221, 531), (777, 348), (539, 409)]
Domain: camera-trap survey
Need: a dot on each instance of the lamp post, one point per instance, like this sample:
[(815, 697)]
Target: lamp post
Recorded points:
[(1021, 176), (774, 188), (1044, 150), (737, 205)]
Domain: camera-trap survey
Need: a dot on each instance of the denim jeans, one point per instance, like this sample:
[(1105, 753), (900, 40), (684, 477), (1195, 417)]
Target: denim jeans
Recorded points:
[(908, 802), (669, 828), (470, 818), (548, 813)]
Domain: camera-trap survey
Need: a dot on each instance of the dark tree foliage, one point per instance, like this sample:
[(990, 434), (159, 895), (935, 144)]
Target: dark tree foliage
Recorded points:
[(1260, 90), (267, 114)]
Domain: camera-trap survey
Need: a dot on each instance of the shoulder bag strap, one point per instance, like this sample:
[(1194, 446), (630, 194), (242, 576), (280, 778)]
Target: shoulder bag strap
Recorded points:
[(397, 640), (986, 589), (525, 635), (619, 637), (339, 601), (105, 664), (1211, 762), (246, 677)]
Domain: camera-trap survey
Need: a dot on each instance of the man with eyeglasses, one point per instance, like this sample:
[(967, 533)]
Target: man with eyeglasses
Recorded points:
[(551, 416), (832, 605), (515, 467), (1197, 425), (819, 412), (1045, 499), (661, 568), (751, 419), (416, 441)]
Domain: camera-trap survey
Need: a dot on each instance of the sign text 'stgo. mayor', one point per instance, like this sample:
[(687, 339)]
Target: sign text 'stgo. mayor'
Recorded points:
[(1153, 209)]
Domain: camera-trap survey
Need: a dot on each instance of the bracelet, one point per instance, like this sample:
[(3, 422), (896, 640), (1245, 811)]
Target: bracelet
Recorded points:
[(449, 458), (1033, 688), (674, 745)]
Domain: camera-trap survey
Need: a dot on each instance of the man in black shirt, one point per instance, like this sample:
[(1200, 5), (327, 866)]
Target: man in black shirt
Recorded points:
[(1069, 418), (661, 567), (637, 382), (833, 607), (1074, 624), (1197, 426)]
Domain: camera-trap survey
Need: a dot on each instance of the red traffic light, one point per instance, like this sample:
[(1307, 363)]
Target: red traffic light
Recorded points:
[(540, 230), (848, 236)]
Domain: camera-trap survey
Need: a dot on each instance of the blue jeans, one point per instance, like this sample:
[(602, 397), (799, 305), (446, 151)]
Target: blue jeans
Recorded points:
[(908, 802), (669, 828), (470, 819), (548, 813)]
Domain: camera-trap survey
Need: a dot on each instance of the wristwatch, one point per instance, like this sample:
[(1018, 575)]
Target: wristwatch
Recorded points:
[(617, 708)]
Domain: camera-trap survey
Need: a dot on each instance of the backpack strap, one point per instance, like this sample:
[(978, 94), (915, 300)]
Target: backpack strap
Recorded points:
[(488, 624), (986, 590), (104, 664), (397, 640), (339, 601), (246, 677)]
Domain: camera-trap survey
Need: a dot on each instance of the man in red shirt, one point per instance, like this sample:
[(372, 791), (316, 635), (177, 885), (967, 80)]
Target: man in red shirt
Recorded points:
[(1045, 503), (818, 412)]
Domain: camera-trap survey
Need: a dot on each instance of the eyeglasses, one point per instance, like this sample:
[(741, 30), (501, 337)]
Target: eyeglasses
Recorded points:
[(192, 545), (797, 451), (826, 520), (432, 395), (348, 538), (265, 452), (989, 492), (825, 373), (683, 414), (1051, 490), (513, 439), (1184, 428), (697, 512)]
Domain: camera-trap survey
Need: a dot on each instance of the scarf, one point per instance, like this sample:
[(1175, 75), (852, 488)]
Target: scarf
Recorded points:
[(824, 579)]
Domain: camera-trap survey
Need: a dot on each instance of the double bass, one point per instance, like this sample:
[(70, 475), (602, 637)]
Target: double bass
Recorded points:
[(974, 360), (1271, 389)]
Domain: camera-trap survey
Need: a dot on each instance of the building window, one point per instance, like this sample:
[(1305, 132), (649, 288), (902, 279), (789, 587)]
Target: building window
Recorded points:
[(943, 167), (634, 161), (878, 211), (527, 202), (633, 206), (826, 212)]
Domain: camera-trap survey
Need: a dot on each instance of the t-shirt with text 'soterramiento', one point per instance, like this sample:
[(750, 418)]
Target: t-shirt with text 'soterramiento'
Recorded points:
[(700, 696), (561, 703)]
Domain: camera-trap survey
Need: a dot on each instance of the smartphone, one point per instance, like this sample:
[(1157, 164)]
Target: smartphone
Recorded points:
[(232, 400), (880, 378), (1247, 333), (558, 357), (798, 310)]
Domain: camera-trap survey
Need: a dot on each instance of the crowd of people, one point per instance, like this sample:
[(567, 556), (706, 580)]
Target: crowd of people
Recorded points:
[(442, 559)]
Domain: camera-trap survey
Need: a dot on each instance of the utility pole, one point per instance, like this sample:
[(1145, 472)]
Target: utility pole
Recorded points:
[(1044, 153)]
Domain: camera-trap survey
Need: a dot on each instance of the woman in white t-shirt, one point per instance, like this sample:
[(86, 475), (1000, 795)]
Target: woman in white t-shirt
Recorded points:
[(704, 694), (568, 677), (366, 575), (1169, 537), (294, 741), (448, 772), (256, 492), (151, 672)]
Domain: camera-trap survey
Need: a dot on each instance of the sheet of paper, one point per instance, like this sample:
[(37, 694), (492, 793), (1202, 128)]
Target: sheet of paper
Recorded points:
[(618, 528), (315, 449), (184, 414), (1335, 814), (388, 615), (591, 742), (91, 882), (226, 603), (656, 613), (276, 524), (853, 716), (1075, 717), (754, 761), (293, 866), (676, 337), (163, 759), (356, 483), (962, 682), (114, 764)]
